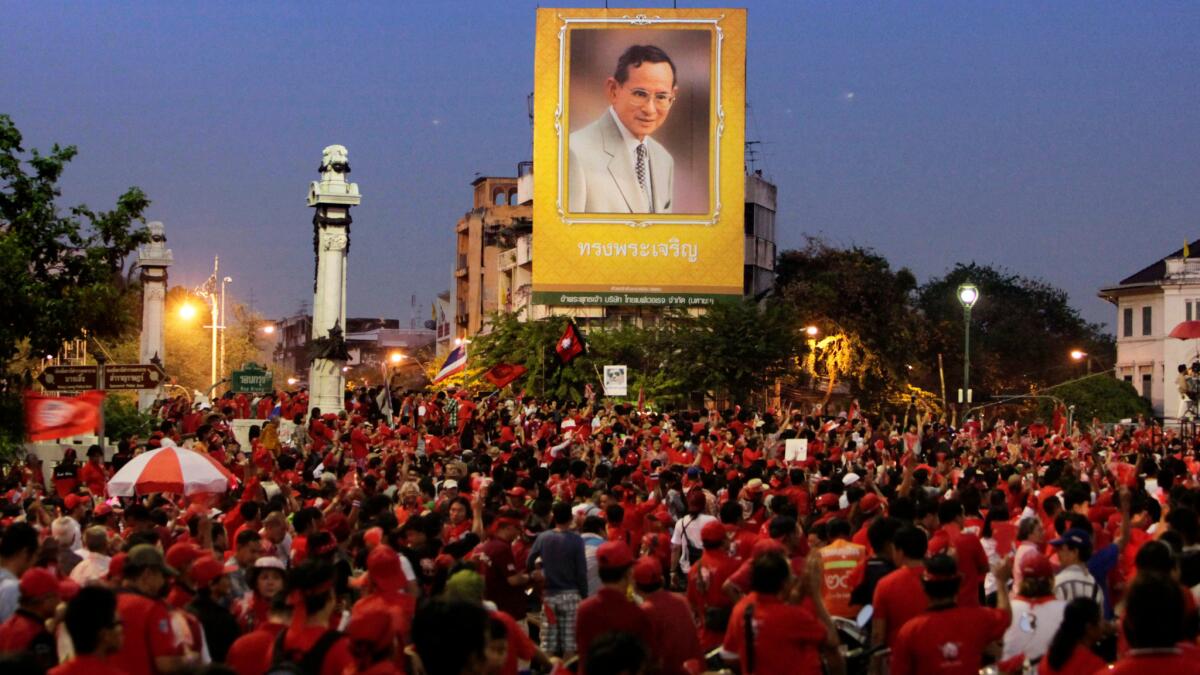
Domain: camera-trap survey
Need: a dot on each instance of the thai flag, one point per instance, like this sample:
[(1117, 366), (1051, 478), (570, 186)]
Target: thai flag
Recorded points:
[(456, 362)]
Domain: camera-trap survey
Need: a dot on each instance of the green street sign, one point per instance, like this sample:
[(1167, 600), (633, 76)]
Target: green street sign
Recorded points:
[(251, 379)]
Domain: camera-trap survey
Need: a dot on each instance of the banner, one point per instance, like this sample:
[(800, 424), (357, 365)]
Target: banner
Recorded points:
[(50, 417), (639, 125), (616, 381)]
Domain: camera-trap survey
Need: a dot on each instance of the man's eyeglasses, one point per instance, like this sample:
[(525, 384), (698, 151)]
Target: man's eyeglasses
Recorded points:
[(662, 100)]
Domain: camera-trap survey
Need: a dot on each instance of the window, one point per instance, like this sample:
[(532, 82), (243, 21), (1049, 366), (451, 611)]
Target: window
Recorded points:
[(1129, 379), (1145, 321), (1147, 386), (1127, 322), (1187, 306)]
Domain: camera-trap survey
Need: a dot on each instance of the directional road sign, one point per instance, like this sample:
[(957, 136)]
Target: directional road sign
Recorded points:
[(69, 378), (133, 376)]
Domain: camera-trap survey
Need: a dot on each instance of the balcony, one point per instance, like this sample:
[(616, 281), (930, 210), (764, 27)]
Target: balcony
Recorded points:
[(461, 269), (507, 259)]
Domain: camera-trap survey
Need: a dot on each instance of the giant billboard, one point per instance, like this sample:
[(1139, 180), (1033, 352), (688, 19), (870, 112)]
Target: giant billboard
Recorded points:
[(638, 156)]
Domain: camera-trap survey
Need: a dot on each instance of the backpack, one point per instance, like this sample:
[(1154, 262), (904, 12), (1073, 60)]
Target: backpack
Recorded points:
[(310, 663), (693, 553)]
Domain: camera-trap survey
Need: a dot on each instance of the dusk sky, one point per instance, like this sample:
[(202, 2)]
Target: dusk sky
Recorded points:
[(1060, 140)]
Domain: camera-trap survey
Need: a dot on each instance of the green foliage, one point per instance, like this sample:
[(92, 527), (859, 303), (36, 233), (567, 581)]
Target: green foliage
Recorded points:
[(122, 419), (733, 350), (60, 273), (854, 293), (1100, 396), (1022, 330)]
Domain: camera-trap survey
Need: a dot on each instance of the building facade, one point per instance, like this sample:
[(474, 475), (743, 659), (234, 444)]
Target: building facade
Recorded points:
[(1149, 304), (495, 258), (368, 340)]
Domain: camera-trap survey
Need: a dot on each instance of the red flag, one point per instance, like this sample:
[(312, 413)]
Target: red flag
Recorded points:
[(641, 398), (570, 345), (50, 417), (503, 374)]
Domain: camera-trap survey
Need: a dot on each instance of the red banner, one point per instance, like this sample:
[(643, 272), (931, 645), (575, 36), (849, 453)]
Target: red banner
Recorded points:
[(503, 374), (50, 417)]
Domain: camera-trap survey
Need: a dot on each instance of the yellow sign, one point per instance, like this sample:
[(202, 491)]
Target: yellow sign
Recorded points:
[(639, 125)]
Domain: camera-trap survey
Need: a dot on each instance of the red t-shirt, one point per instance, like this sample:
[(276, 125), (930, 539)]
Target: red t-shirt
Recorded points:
[(400, 605), (972, 561), (148, 633), (947, 641), (899, 596), (250, 654), (671, 640), (608, 611), (520, 647), (86, 664), (1083, 661), (337, 659), (1166, 662), (787, 638)]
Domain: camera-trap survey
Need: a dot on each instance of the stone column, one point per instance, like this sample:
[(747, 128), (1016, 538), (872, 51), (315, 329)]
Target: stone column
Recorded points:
[(331, 197), (153, 260)]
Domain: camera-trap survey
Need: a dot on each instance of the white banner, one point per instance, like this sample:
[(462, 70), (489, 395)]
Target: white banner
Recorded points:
[(616, 381)]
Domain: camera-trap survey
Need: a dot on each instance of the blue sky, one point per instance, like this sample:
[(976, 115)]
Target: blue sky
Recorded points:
[(1060, 140)]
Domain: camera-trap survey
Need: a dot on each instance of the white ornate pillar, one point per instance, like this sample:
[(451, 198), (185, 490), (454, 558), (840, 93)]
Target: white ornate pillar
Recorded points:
[(153, 260), (331, 196)]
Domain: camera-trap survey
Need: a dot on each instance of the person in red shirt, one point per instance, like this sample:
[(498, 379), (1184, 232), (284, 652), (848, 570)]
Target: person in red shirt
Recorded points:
[(669, 616), (250, 654), (1153, 626), (505, 581), (610, 609), (900, 596), (838, 561), (770, 633), (385, 583), (25, 631), (1069, 652), (948, 639), (968, 551), (149, 646), (706, 580), (373, 644), (308, 639), (95, 631), (92, 473)]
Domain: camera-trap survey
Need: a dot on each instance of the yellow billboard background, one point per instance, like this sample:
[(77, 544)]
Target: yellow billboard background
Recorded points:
[(691, 259)]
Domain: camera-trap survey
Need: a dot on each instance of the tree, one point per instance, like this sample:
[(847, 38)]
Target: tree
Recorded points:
[(735, 349), (854, 293), (1022, 330), (60, 273), (1100, 396)]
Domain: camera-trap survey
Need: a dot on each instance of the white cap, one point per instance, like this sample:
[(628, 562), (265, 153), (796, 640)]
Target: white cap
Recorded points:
[(850, 479), (449, 484)]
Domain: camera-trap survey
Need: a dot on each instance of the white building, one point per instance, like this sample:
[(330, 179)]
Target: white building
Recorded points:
[(1149, 304)]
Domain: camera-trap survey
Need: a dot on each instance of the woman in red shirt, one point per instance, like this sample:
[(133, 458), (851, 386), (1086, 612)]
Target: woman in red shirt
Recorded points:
[(1069, 652)]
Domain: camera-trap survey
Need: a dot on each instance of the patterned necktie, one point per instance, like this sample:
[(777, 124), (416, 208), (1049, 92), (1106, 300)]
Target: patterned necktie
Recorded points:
[(641, 170)]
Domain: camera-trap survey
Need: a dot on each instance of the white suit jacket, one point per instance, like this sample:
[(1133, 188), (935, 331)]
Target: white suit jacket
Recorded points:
[(600, 176)]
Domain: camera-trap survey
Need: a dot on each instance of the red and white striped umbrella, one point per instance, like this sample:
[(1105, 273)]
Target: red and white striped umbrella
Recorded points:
[(172, 469)]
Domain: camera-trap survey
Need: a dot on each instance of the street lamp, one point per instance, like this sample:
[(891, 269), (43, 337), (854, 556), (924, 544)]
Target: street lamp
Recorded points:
[(812, 331), (1080, 355), (968, 295), (292, 381), (187, 311), (224, 320), (269, 329), (395, 358)]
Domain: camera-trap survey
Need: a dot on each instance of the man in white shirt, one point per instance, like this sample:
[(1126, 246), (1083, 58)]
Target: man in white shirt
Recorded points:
[(94, 566), (1074, 549), (685, 540), (614, 166)]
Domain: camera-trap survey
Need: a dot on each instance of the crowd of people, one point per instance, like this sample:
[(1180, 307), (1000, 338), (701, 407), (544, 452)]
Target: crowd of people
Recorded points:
[(456, 533)]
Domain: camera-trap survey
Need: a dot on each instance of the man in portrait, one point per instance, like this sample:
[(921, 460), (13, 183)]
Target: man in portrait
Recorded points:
[(614, 164)]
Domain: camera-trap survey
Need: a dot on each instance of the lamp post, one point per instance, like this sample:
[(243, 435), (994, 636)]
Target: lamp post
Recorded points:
[(1078, 355), (224, 319), (968, 295)]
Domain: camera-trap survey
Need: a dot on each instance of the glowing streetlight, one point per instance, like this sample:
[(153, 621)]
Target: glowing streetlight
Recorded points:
[(1078, 355), (395, 358), (968, 295), (292, 381), (812, 331), (187, 311), (269, 329)]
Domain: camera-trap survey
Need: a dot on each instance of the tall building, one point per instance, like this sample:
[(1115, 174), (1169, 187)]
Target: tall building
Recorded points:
[(495, 257), (368, 340), (491, 226), (1149, 304)]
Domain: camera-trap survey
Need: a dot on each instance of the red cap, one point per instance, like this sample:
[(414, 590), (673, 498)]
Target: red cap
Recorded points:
[(516, 492), (384, 569), (179, 555), (72, 501), (870, 503), (826, 500), (372, 537), (116, 566), (102, 509), (1036, 566), (38, 581), (765, 546), (712, 532), (647, 571), (67, 589), (613, 555), (206, 570)]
